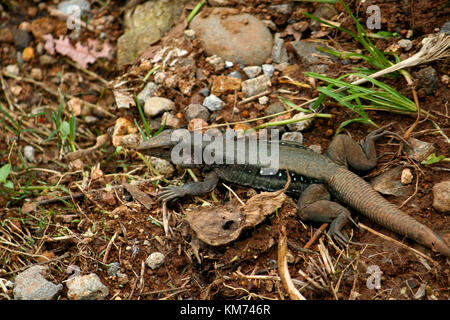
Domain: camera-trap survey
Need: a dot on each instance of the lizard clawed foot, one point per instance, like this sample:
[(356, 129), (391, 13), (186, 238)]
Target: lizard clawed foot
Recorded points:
[(171, 192)]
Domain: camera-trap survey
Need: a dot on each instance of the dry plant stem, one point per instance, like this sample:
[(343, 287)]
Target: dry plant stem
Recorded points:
[(165, 218), (108, 247), (316, 235), (234, 193), (88, 72), (283, 270), (56, 94), (252, 98), (395, 241), (409, 80), (263, 277)]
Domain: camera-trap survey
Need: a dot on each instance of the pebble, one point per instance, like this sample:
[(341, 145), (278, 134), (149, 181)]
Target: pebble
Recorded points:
[(239, 38), (293, 136), (170, 120), (420, 149), (195, 110), (407, 176), (67, 6), (190, 34), (28, 54), (157, 105), (22, 39), (300, 125), (235, 74), (427, 79), (445, 28), (13, 69), (405, 44), (28, 153), (279, 51), (252, 71), (445, 79), (46, 60), (159, 77), (268, 70), (273, 108), (285, 8), (213, 103), (204, 91), (155, 260), (148, 92), (389, 182), (32, 285), (255, 86), (163, 166), (309, 55), (228, 64), (112, 269), (36, 74), (441, 196), (217, 62), (263, 100), (88, 287), (324, 11)]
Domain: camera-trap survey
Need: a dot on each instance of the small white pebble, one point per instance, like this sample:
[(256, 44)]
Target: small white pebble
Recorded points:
[(406, 177)]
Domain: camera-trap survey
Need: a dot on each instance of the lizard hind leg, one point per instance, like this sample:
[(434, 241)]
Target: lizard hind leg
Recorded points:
[(315, 205)]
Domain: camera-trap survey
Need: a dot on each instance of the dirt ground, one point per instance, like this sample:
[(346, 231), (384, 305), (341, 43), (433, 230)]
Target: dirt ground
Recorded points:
[(94, 223)]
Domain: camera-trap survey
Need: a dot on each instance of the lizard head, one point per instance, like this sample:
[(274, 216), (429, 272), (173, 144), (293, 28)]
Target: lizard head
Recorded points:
[(159, 146)]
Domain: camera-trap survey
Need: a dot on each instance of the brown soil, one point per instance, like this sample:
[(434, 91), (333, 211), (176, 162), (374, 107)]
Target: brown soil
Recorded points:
[(192, 269)]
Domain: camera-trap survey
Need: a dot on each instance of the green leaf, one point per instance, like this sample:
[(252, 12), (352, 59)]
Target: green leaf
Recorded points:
[(8, 184), (65, 130), (4, 172), (432, 159)]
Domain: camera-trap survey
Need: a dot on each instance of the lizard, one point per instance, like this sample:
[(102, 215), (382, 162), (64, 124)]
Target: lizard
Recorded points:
[(314, 177)]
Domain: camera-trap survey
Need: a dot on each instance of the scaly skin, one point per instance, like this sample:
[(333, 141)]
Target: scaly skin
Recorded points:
[(351, 189)]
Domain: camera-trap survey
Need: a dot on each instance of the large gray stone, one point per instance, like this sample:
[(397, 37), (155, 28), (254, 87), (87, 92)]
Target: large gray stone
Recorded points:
[(88, 287), (235, 37), (32, 285)]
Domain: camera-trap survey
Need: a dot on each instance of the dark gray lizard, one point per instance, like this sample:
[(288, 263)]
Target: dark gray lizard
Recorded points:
[(314, 178)]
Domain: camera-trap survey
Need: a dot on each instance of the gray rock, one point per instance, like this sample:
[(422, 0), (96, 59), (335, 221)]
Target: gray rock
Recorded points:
[(324, 11), (310, 56), (32, 285), (67, 6), (263, 100), (145, 24), (389, 182), (273, 108), (157, 105), (213, 103), (420, 149), (87, 287), (279, 51), (293, 136), (441, 196), (255, 86), (204, 91), (285, 8), (252, 71), (163, 166), (112, 269), (268, 70), (22, 39), (445, 28), (159, 77), (194, 111), (427, 79), (300, 125), (405, 44), (239, 38), (148, 92), (235, 74), (155, 260)]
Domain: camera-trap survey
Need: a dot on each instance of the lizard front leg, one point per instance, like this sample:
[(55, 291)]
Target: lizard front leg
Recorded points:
[(192, 188), (314, 205)]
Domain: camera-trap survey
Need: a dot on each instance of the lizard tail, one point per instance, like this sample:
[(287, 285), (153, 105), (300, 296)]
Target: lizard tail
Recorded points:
[(357, 193)]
